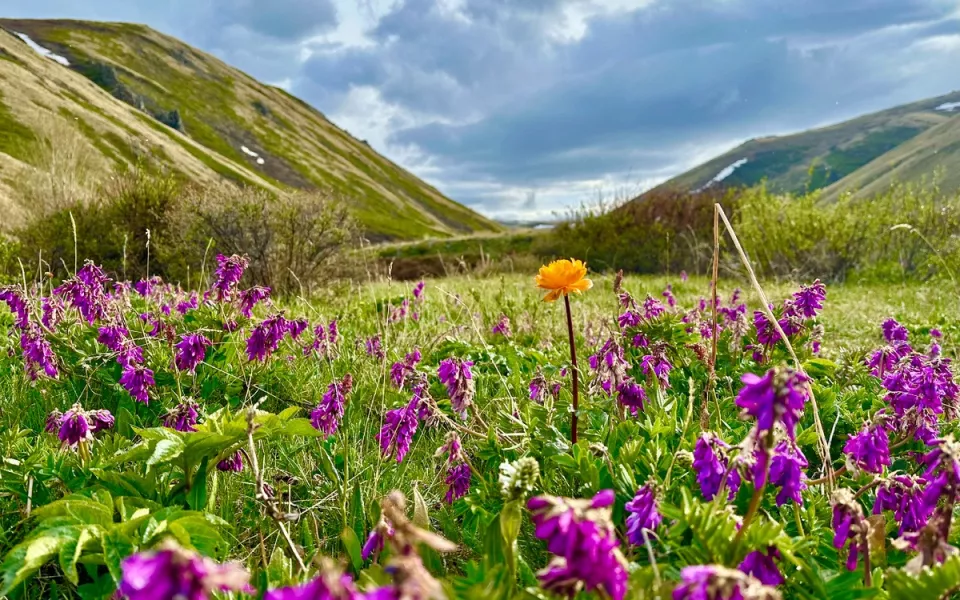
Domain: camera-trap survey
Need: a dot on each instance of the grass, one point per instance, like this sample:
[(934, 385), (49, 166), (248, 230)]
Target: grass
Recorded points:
[(15, 137), (337, 481)]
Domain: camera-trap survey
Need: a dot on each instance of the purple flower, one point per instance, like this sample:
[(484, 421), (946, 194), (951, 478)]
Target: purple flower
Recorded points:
[(778, 396), (711, 465), (129, 354), (455, 375), (418, 290), (905, 496), (324, 340), (250, 298), (502, 326), (402, 372), (296, 327), (155, 324), (942, 471), (632, 395), (37, 353), (53, 422), (74, 427), (683, 276), (228, 273), (668, 295), (85, 292), (399, 425), (809, 299), (191, 350), (136, 379), (652, 308), (183, 417), (644, 514), (51, 311), (611, 368), (113, 336), (327, 586), (326, 416), (100, 419), (766, 333), (174, 573), (541, 389), (849, 525), (233, 463), (787, 472), (657, 365), (458, 470), (17, 306), (894, 332), (761, 565), (266, 337), (185, 306), (715, 582), (581, 536), (374, 347), (868, 450), (374, 543), (458, 482), (629, 319)]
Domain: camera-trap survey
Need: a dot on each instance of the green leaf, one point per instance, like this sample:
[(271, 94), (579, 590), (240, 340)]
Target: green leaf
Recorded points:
[(936, 581), (279, 569), (351, 543), (78, 509), (101, 589), (116, 547), (165, 451), (197, 496), (71, 550), (299, 427), (27, 557)]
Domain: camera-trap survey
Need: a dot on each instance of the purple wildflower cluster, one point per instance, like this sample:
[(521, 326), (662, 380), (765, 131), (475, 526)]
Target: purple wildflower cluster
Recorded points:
[(583, 540), (405, 372), (611, 368), (402, 312), (399, 426), (458, 469), (541, 389), (267, 335), (227, 275), (456, 376), (190, 351), (86, 292), (172, 572), (713, 466), (326, 416), (502, 327), (715, 582), (326, 339), (373, 346), (232, 463), (794, 317), (78, 425), (38, 356), (644, 514), (183, 417), (777, 397)]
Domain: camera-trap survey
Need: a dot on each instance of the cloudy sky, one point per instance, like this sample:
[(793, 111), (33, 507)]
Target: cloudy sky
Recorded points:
[(520, 108)]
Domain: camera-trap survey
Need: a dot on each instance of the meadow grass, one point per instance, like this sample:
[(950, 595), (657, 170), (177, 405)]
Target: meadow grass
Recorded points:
[(333, 485)]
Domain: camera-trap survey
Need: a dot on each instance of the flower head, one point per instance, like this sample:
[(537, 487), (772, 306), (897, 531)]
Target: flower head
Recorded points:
[(399, 425), (502, 326), (183, 417), (583, 539), (715, 582), (249, 298), (456, 376), (136, 379), (868, 450), (850, 526), (762, 566), (38, 355), (644, 514), (778, 396), (787, 472), (228, 273), (234, 463), (17, 306), (74, 427), (374, 347), (518, 478), (173, 572), (561, 277), (100, 419), (326, 416), (712, 465), (191, 350), (632, 395)]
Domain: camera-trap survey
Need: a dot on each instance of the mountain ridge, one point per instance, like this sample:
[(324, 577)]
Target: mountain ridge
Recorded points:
[(851, 156), (137, 93)]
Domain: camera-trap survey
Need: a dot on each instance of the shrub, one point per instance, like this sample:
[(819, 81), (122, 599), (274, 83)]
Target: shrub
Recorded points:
[(294, 240)]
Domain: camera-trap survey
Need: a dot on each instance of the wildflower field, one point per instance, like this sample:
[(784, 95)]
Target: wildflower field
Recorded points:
[(416, 441)]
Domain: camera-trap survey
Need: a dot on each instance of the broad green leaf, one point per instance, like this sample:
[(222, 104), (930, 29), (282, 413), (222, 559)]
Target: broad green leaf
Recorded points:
[(116, 547), (280, 569), (165, 451), (80, 509), (351, 543), (27, 557), (197, 496), (71, 550)]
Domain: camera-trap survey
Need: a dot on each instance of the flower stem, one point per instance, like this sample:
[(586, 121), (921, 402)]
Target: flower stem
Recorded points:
[(576, 371), (757, 494)]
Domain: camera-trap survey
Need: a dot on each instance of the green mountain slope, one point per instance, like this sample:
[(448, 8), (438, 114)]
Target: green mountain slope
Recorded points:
[(133, 92), (835, 155)]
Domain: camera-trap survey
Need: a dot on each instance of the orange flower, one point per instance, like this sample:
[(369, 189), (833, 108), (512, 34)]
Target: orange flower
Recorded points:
[(562, 277)]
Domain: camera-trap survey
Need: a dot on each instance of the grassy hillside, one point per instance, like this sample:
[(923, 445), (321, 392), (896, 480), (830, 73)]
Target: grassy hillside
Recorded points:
[(135, 93), (817, 158)]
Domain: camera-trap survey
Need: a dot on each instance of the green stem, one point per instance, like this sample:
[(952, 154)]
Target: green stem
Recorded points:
[(576, 371)]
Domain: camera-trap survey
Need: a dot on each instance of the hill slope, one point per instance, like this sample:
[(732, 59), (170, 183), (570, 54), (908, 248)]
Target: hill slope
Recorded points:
[(133, 92), (850, 154)]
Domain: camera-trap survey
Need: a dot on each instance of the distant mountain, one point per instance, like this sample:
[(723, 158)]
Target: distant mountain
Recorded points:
[(904, 143), (133, 92)]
